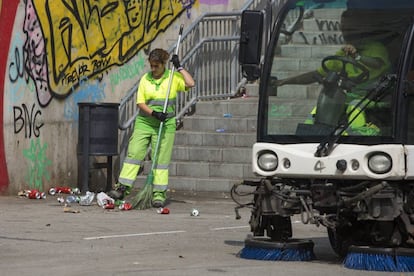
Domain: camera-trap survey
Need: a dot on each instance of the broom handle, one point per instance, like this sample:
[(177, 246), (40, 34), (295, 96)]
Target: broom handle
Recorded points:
[(154, 161), (172, 69)]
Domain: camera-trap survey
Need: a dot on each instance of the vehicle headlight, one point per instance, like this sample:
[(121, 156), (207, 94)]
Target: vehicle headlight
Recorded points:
[(267, 160), (380, 162)]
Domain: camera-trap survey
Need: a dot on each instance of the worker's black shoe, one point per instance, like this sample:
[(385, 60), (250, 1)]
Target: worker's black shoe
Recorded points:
[(119, 192)]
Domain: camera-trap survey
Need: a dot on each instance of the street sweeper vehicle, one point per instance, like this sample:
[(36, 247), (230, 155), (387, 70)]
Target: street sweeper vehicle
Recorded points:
[(335, 130)]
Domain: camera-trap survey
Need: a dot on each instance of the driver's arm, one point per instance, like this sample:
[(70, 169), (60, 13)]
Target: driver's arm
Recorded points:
[(372, 62), (306, 78)]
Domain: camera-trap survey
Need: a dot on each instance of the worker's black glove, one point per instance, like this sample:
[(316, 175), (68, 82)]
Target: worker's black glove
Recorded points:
[(159, 115), (176, 61)]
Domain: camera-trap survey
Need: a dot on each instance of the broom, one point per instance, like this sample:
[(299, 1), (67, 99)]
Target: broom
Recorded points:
[(380, 259), (143, 200), (268, 250)]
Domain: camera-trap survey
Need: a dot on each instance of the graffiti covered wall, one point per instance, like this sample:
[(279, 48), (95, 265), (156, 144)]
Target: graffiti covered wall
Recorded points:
[(58, 53)]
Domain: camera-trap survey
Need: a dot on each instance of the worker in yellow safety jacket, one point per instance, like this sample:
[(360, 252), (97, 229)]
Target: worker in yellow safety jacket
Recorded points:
[(151, 95)]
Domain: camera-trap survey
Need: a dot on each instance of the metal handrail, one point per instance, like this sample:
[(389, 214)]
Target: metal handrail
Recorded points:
[(127, 122), (211, 34)]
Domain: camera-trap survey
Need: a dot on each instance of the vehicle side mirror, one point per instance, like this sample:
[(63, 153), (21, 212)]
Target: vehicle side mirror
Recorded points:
[(251, 43)]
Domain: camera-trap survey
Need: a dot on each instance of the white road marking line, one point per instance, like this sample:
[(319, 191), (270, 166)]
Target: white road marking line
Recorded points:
[(165, 233), (228, 228), (134, 235)]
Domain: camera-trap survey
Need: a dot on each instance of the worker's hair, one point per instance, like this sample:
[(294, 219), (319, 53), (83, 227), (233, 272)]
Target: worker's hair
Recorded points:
[(159, 55)]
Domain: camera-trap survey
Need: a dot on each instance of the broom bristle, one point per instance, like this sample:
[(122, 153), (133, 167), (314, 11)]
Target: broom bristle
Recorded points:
[(265, 249), (143, 200), (267, 254), (380, 259)]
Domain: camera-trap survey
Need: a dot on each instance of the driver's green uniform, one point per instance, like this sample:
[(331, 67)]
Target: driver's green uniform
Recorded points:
[(153, 92), (371, 49)]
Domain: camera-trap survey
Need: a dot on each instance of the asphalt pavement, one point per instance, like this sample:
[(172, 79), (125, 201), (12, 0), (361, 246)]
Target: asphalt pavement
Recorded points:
[(42, 237)]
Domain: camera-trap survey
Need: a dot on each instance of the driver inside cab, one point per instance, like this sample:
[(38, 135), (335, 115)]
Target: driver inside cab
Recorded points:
[(361, 48)]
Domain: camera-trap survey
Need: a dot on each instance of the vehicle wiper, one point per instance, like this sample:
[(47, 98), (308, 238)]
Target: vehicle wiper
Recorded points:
[(376, 94)]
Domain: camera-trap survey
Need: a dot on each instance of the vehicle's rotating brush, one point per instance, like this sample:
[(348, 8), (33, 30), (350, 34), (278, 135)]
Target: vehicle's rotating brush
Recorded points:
[(380, 259), (266, 249)]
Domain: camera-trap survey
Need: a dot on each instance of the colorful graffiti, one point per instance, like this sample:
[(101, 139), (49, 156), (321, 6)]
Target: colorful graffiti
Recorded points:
[(74, 51), (71, 40)]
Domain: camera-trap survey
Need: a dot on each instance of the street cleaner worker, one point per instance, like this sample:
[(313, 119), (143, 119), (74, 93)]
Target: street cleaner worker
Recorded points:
[(151, 95)]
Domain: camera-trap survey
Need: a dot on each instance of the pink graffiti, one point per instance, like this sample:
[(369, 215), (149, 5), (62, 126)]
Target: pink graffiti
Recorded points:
[(35, 62)]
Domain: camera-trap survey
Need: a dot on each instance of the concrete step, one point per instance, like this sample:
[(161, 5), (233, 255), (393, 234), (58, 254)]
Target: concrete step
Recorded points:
[(318, 38), (190, 168), (308, 51), (219, 124), (282, 126), (299, 92), (212, 169), (284, 108), (217, 139), (212, 154), (327, 14), (322, 24), (295, 64), (235, 107)]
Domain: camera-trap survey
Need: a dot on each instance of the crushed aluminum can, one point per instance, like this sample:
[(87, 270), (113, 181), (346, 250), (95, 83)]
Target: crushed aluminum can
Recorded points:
[(52, 191), (63, 190), (195, 213), (43, 195), (59, 190), (61, 199), (33, 194), (109, 205), (163, 211), (125, 206)]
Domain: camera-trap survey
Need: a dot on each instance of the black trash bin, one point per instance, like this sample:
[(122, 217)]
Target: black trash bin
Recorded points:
[(97, 136)]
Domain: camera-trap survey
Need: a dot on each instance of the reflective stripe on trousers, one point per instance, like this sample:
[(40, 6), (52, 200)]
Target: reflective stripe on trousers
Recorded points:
[(137, 149)]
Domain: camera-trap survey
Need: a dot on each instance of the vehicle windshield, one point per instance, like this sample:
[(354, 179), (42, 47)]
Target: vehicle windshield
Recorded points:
[(331, 69)]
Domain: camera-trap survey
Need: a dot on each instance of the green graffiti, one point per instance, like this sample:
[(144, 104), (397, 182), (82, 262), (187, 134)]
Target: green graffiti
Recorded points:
[(36, 155), (279, 111), (128, 71)]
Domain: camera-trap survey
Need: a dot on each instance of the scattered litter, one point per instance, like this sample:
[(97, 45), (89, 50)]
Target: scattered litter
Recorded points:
[(118, 202), (195, 213), (125, 206), (67, 209), (63, 190), (86, 200), (60, 199), (163, 211), (72, 199), (109, 205), (220, 130), (103, 199), (35, 194), (227, 115)]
